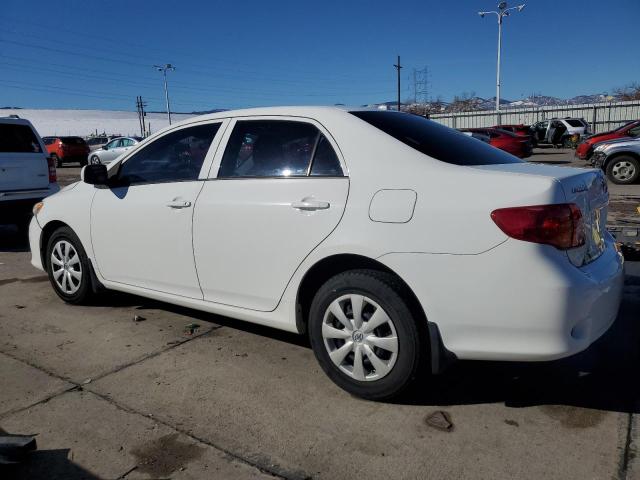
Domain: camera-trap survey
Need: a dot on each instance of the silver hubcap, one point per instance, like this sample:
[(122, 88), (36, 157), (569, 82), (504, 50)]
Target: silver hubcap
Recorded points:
[(623, 170), (360, 337), (66, 267)]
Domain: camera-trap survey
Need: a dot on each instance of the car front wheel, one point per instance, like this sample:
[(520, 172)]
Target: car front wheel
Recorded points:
[(365, 336), (95, 160), (623, 170), (68, 267)]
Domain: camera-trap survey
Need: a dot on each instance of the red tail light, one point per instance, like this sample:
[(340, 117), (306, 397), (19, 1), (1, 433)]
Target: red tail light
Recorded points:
[(53, 176), (558, 225)]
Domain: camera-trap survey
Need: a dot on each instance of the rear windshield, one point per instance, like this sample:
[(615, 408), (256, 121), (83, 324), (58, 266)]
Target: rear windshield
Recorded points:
[(18, 139), (575, 123), (435, 140), (72, 140)]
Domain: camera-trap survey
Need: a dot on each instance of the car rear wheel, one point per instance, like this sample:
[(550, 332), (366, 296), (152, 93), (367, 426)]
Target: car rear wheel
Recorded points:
[(68, 267), (623, 170), (365, 336)]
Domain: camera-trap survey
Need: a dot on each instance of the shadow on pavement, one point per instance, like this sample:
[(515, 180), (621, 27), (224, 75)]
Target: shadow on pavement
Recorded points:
[(47, 464), (13, 240), (604, 377)]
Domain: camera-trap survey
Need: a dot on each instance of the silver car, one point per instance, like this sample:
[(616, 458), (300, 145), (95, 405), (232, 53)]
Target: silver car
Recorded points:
[(620, 159), (112, 150)]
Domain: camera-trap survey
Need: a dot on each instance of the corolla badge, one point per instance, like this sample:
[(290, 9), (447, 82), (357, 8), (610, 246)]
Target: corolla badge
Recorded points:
[(580, 188)]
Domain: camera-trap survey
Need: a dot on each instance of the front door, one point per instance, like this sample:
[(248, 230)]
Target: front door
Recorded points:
[(279, 192), (141, 227)]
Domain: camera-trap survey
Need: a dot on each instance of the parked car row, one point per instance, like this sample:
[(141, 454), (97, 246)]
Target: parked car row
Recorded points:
[(616, 152)]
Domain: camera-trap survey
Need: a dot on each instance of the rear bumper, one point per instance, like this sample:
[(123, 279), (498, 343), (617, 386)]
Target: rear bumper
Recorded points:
[(17, 205), (516, 302)]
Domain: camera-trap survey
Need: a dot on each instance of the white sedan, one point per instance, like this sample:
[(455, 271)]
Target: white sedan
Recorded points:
[(112, 150), (395, 243)]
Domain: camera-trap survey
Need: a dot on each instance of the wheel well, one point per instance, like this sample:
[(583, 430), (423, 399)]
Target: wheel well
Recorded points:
[(620, 154), (331, 266), (47, 231)]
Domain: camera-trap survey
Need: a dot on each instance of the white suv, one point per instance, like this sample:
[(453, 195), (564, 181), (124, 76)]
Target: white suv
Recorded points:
[(26, 174)]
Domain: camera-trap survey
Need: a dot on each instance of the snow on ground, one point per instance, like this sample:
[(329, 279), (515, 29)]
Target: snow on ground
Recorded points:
[(85, 122)]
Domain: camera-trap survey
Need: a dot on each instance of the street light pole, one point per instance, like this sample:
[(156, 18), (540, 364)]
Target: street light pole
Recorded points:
[(502, 12), (164, 69)]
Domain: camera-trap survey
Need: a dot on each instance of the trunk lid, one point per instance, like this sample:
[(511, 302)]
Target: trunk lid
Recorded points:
[(587, 188)]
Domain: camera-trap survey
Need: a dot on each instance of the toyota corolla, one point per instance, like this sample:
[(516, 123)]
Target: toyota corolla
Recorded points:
[(395, 243)]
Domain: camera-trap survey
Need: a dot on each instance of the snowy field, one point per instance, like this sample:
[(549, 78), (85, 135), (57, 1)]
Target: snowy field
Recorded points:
[(85, 122)]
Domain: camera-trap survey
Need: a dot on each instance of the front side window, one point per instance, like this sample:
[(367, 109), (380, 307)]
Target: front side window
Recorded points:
[(18, 139), (435, 140), (177, 156), (269, 148), (114, 144)]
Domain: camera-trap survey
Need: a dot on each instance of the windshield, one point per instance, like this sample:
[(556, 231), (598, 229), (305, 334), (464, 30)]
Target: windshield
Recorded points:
[(435, 140)]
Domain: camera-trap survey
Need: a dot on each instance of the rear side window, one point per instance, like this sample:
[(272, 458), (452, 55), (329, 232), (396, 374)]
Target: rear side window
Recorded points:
[(277, 148), (435, 140), (18, 139), (72, 140), (575, 123)]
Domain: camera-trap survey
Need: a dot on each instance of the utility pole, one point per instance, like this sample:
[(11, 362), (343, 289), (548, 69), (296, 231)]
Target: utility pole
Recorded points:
[(398, 67), (141, 114), (163, 69), (502, 12)]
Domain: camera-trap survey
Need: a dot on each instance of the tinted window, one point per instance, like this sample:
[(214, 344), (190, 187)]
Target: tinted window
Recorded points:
[(575, 123), (177, 156), (127, 142), (18, 138), (435, 140), (269, 148), (48, 140), (72, 140), (634, 132), (325, 160)]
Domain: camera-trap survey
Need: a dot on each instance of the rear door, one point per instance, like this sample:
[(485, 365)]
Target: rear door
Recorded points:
[(279, 191), (23, 158)]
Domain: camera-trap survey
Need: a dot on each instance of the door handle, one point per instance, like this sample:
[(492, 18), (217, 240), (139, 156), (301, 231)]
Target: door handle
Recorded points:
[(310, 205), (179, 204)]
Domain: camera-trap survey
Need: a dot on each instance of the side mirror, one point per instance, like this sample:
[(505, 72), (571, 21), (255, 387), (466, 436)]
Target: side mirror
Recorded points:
[(94, 174)]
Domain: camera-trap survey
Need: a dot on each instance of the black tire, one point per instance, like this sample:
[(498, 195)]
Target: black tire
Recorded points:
[(95, 160), (84, 293), (615, 173), (57, 160), (412, 340)]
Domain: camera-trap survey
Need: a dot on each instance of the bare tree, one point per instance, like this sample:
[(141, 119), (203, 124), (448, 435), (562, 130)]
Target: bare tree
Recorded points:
[(465, 102), (629, 92)]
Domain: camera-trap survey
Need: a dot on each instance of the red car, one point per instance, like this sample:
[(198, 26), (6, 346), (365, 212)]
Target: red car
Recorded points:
[(585, 149), (67, 149), (518, 145), (522, 130)]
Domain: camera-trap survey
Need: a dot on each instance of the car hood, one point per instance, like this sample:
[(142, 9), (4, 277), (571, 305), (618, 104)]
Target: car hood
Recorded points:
[(619, 142)]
